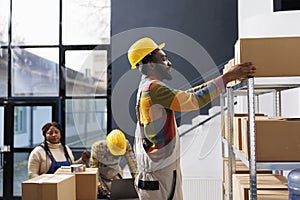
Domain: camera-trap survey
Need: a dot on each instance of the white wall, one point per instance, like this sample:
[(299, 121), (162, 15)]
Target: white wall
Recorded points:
[(257, 19), (201, 150)]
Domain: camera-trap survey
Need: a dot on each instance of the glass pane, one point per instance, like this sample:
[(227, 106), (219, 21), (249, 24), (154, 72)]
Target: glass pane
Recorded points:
[(86, 73), (35, 72), (3, 72), (86, 121), (86, 22), (4, 19), (1, 144), (35, 22), (20, 172), (28, 122)]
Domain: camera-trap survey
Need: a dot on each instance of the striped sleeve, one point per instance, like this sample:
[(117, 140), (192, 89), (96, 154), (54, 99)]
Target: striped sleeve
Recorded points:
[(184, 101)]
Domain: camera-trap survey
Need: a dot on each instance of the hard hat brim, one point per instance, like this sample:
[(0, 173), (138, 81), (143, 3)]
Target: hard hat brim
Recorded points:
[(162, 45)]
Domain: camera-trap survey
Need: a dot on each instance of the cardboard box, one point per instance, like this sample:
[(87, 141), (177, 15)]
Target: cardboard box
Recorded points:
[(240, 168), (241, 184), (49, 187), (86, 183), (277, 139), (278, 56), (272, 195), (236, 129)]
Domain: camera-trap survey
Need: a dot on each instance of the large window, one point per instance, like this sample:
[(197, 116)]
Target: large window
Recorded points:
[(90, 77), (86, 22), (55, 48), (35, 22), (28, 122), (86, 121), (35, 72), (52, 51), (3, 71)]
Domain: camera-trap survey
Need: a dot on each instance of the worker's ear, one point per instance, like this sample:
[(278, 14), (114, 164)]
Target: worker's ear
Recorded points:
[(151, 65), (127, 146), (144, 69)]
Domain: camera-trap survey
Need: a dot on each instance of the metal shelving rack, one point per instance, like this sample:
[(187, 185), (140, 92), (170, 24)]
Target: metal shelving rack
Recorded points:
[(254, 87)]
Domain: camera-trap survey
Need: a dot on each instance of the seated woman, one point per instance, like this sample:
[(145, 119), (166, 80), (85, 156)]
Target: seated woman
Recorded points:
[(51, 154)]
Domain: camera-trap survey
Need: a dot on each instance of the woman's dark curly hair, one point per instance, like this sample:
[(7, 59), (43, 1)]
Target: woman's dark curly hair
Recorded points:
[(45, 128)]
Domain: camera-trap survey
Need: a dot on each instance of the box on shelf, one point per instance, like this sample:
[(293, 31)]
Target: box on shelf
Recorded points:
[(86, 182), (49, 187), (277, 56), (271, 194), (236, 129), (277, 139), (241, 184)]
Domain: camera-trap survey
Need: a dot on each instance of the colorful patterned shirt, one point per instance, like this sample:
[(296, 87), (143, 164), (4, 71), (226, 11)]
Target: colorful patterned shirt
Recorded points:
[(158, 101)]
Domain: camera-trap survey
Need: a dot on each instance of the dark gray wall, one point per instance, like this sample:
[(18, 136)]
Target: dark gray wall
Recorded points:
[(211, 23)]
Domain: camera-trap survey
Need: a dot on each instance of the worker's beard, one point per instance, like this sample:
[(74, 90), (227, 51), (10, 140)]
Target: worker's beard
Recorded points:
[(164, 72)]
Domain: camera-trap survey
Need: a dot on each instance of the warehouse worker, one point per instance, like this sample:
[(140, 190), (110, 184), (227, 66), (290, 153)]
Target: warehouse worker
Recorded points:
[(107, 155), (52, 154), (157, 140)]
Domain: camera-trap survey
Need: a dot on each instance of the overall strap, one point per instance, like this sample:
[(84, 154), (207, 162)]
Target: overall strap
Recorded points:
[(144, 87), (54, 164), (48, 152)]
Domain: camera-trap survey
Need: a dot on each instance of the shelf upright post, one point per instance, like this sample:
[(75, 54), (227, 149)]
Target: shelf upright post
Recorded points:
[(277, 112), (231, 157), (252, 138), (277, 103), (222, 106)]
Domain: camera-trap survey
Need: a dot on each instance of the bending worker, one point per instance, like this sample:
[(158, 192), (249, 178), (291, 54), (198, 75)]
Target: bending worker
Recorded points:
[(107, 155), (51, 154), (157, 139)]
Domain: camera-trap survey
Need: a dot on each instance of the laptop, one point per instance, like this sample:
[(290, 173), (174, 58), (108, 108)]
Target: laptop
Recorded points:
[(123, 189)]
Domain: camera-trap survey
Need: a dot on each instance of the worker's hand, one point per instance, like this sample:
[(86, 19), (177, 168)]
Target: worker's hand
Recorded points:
[(85, 156), (238, 72)]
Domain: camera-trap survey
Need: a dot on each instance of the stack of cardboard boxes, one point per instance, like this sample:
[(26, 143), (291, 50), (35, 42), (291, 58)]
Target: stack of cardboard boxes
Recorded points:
[(265, 182), (62, 186)]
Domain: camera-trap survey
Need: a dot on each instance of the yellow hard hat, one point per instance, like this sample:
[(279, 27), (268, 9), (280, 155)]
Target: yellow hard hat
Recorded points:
[(116, 142), (140, 49)]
